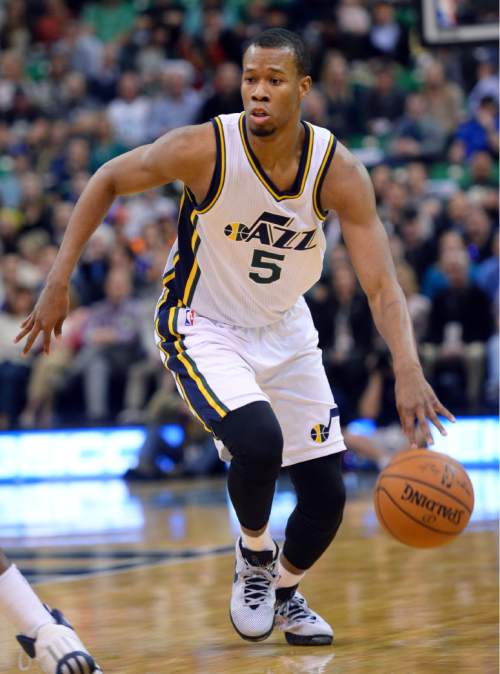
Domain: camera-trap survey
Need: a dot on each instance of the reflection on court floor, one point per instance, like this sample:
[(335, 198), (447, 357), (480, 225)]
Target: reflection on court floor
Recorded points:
[(144, 572), (77, 528)]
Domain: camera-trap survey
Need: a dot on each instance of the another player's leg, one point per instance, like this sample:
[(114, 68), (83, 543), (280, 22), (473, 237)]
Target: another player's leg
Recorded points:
[(310, 530), (253, 436), (44, 634)]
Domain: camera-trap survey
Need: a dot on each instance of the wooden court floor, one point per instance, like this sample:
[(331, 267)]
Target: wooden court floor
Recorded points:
[(155, 600)]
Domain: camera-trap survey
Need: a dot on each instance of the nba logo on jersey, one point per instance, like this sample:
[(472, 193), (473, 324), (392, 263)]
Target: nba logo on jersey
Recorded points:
[(190, 316)]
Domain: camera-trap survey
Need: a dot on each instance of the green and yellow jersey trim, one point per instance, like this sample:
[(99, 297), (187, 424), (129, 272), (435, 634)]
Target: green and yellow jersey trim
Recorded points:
[(304, 164)]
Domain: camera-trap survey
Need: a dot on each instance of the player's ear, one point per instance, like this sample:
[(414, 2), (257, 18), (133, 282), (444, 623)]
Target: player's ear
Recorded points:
[(305, 86)]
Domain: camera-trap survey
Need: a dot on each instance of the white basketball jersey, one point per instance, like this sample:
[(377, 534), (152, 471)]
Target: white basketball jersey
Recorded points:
[(248, 252)]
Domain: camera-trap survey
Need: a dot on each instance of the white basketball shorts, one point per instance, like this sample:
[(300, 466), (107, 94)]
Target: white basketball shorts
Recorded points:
[(219, 368)]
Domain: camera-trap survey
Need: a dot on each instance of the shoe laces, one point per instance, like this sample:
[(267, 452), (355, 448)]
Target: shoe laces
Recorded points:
[(256, 585), (23, 662), (296, 609)]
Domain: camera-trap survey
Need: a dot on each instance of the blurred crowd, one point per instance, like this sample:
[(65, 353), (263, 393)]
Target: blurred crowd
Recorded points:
[(82, 82)]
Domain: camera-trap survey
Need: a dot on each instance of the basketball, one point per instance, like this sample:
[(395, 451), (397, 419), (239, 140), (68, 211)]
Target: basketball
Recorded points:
[(423, 498)]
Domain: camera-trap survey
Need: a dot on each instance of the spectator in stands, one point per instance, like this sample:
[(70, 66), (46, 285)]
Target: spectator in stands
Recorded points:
[(50, 371), (387, 37), (110, 19), (314, 108), (37, 140), (30, 246), (44, 260), (395, 203), (103, 84), (478, 233), (226, 97), (111, 343), (354, 23), (145, 376), (74, 159), (146, 208), (346, 333), (14, 370), (417, 135), (344, 107), (23, 109), (377, 402), (444, 99), (480, 131), (35, 210), (48, 27), (171, 17), (14, 32), (61, 213), (385, 101), (104, 146), (152, 251), (49, 88), (488, 272), (278, 15), (434, 278), (338, 258), (177, 104), (326, 39), (129, 112), (460, 324), (74, 98), (15, 272), (216, 42), (419, 249), (487, 81), (148, 47), (417, 183), (381, 179), (11, 80), (83, 48), (418, 305), (92, 270), (482, 173), (453, 214)]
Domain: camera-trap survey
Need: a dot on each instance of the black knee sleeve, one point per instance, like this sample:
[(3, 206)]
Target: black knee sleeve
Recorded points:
[(320, 505), (253, 436)]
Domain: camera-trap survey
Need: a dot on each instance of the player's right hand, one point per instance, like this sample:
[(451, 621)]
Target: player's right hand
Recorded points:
[(47, 317)]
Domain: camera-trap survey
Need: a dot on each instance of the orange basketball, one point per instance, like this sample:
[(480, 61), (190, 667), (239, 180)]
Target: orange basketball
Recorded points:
[(423, 498)]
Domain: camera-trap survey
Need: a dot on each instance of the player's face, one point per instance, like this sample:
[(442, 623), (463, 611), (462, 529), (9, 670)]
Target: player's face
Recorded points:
[(271, 88)]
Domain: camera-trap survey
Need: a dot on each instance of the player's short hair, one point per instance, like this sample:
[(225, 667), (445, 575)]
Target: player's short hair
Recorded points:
[(280, 38)]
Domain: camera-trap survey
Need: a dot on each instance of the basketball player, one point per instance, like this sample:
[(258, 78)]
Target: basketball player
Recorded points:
[(232, 325), (46, 636)]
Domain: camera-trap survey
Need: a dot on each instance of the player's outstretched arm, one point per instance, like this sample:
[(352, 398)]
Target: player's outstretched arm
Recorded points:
[(348, 190), (182, 154)]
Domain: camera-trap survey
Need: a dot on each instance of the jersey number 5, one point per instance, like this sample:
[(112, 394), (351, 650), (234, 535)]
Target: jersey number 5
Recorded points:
[(261, 260)]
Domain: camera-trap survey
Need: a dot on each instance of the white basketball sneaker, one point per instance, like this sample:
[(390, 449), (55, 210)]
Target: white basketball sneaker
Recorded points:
[(253, 596), (58, 650), (301, 625)]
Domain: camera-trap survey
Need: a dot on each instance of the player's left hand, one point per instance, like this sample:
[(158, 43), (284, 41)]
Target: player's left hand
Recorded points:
[(417, 403), (47, 317)]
